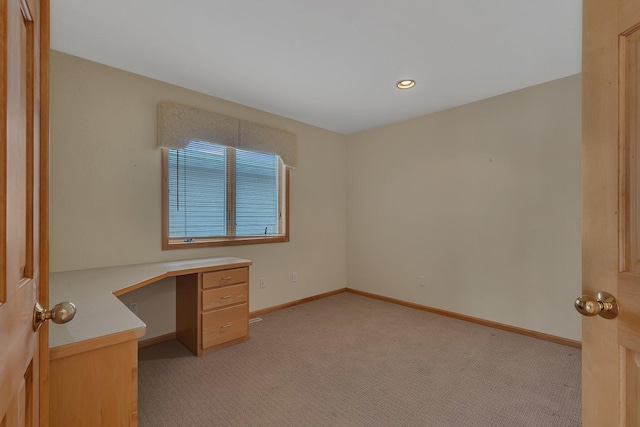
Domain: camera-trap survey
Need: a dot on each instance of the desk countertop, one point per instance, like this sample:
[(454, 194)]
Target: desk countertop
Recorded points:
[(99, 312)]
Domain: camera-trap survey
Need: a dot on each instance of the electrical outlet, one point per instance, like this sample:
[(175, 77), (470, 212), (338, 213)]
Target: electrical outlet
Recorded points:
[(422, 281), (294, 277), (262, 282), (133, 306)]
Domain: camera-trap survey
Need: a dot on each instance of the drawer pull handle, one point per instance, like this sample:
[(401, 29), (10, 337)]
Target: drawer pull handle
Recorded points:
[(225, 326), (226, 278), (226, 297)]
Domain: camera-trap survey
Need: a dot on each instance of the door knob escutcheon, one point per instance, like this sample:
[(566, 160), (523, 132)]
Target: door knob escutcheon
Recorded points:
[(62, 312), (604, 304)]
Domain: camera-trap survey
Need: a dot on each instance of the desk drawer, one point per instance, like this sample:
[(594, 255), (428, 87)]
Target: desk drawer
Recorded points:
[(221, 297), (225, 324), (225, 277)]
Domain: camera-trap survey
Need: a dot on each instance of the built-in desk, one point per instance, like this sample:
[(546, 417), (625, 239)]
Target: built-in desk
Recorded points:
[(94, 358)]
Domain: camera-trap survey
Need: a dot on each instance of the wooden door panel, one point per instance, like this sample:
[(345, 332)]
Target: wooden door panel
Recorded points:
[(611, 209), (629, 279), (20, 411), (19, 212), (629, 319), (19, 344), (18, 155), (14, 416), (631, 387), (629, 150)]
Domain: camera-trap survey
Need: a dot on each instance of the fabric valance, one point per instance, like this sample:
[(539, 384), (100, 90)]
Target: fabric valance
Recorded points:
[(178, 125)]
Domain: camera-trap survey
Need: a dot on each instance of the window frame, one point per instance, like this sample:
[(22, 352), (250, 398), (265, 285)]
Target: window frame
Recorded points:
[(173, 243)]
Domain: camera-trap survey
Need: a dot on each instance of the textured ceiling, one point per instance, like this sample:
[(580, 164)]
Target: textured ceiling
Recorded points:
[(330, 63)]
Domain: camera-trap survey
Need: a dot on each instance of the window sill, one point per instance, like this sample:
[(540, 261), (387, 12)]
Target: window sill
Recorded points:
[(225, 241)]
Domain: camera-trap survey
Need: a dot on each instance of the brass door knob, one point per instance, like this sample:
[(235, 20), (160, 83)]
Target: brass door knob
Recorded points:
[(60, 313), (604, 304)]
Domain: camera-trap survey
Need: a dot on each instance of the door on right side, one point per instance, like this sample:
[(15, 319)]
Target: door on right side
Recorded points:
[(611, 210)]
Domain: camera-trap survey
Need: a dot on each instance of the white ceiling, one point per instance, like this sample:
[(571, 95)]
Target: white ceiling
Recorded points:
[(330, 63)]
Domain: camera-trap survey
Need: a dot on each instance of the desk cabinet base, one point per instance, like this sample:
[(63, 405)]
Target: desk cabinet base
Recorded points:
[(96, 387), (212, 309)]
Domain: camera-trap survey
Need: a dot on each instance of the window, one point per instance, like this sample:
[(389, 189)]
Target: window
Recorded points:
[(215, 195)]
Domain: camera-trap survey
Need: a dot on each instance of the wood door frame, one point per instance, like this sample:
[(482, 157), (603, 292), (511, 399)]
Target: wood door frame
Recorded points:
[(43, 258), (600, 219)]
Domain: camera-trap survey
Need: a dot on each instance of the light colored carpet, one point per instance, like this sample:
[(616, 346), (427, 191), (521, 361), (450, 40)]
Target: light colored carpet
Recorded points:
[(349, 360)]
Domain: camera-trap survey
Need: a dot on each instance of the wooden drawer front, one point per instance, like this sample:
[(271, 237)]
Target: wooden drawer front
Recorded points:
[(224, 325), (221, 297), (225, 277)]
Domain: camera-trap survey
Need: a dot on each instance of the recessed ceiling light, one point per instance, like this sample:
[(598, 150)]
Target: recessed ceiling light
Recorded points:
[(406, 84)]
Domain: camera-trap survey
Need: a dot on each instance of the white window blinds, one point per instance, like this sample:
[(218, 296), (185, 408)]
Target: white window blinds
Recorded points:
[(216, 191), (257, 184), (198, 191)]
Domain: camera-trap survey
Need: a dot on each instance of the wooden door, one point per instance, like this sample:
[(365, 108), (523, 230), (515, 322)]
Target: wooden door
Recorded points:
[(23, 210), (611, 209)]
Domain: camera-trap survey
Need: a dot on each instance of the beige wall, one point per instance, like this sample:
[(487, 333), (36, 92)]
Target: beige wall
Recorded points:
[(483, 200), (105, 187)]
